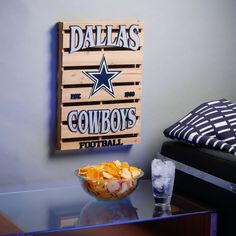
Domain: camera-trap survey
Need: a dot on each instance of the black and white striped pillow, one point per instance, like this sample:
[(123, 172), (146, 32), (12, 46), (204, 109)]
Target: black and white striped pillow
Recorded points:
[(212, 124)]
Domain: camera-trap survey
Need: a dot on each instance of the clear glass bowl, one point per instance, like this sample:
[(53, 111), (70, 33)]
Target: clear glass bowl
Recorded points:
[(109, 189)]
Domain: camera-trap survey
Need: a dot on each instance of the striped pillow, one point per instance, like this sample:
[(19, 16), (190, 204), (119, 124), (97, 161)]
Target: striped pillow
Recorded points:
[(212, 124)]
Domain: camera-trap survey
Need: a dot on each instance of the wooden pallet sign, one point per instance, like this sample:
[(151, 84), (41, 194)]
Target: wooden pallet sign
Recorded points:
[(99, 83)]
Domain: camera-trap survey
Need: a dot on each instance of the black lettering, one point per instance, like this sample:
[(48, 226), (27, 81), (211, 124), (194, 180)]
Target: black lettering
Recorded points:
[(129, 94), (101, 143), (75, 96)]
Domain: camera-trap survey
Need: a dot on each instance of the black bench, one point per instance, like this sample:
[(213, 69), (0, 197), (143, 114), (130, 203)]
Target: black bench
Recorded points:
[(217, 188)]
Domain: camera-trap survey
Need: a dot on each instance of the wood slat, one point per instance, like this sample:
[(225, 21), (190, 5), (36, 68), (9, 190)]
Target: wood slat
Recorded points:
[(115, 23), (70, 77), (66, 39), (91, 58), (59, 84), (76, 144), (66, 133), (101, 95), (66, 110), (7, 227)]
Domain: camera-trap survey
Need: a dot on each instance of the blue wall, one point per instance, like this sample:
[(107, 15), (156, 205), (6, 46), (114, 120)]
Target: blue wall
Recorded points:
[(189, 58)]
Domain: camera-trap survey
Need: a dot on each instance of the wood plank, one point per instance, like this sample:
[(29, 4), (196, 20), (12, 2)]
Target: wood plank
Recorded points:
[(66, 133), (91, 58), (101, 95), (70, 77), (66, 39), (67, 109), (59, 84), (76, 144), (115, 23), (7, 227)]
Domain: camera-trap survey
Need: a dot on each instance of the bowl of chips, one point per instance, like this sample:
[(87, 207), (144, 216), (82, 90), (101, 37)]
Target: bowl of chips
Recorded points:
[(109, 180)]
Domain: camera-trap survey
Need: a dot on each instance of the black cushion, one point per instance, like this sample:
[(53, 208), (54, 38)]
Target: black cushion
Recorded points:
[(214, 162), (210, 125)]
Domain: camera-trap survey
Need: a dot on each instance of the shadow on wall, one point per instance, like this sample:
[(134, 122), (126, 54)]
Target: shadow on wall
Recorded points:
[(53, 111)]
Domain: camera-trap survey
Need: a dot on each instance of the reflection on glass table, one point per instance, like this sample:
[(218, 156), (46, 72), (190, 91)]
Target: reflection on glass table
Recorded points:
[(108, 212), (68, 208), (162, 210)]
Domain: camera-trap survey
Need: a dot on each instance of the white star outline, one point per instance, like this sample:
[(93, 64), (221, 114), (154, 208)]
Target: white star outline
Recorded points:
[(92, 76)]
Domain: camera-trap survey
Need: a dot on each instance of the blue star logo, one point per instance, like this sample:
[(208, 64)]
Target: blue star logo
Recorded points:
[(102, 78)]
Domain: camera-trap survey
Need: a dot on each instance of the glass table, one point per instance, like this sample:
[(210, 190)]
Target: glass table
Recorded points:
[(69, 210)]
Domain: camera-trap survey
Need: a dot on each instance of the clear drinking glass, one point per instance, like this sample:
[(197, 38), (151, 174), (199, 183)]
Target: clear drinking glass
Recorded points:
[(163, 176)]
